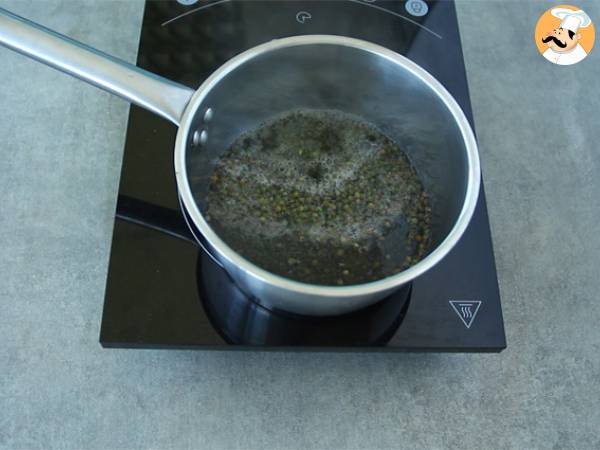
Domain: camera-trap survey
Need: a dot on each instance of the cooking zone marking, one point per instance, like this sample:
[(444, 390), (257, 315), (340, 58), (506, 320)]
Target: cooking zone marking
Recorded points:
[(192, 11), (466, 310), (359, 2), (408, 19)]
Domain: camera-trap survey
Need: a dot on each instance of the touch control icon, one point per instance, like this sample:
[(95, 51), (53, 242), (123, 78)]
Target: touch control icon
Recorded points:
[(416, 8), (303, 16)]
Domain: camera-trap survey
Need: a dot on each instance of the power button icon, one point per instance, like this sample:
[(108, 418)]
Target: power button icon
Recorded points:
[(416, 8), (303, 16)]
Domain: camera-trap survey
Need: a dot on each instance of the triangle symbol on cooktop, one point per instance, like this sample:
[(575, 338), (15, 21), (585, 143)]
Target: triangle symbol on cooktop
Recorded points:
[(466, 310)]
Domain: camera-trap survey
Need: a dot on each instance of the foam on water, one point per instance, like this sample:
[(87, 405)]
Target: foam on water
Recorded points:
[(321, 182)]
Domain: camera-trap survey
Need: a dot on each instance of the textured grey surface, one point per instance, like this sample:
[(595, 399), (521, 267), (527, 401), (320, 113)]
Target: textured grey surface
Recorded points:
[(61, 148)]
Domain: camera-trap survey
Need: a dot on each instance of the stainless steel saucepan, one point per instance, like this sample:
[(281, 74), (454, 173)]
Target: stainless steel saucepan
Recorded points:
[(315, 71)]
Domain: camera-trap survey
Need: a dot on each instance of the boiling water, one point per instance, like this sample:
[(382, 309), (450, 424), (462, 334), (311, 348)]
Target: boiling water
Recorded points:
[(321, 197)]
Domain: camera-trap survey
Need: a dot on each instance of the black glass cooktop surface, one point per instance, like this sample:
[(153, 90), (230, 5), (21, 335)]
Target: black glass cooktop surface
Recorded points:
[(164, 292)]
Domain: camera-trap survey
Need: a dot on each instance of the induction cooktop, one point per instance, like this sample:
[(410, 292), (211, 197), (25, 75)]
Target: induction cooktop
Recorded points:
[(163, 291)]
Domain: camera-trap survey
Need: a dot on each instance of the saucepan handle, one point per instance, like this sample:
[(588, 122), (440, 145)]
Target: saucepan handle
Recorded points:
[(152, 92)]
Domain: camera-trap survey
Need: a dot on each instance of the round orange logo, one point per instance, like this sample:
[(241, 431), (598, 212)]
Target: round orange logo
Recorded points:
[(565, 35)]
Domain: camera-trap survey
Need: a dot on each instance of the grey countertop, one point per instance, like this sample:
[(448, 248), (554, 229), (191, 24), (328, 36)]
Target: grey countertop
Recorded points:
[(61, 150)]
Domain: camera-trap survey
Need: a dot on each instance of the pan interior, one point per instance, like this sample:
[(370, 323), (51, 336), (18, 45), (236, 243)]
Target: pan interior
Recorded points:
[(325, 78)]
